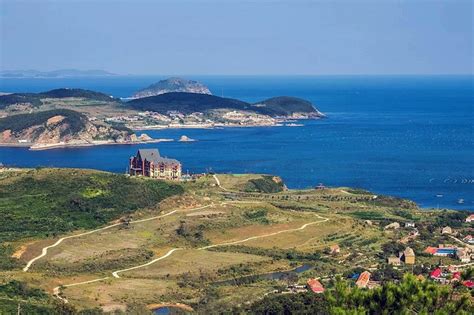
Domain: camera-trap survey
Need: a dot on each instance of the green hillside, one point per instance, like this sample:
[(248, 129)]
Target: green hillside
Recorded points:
[(284, 105), (35, 98), (194, 102), (46, 202)]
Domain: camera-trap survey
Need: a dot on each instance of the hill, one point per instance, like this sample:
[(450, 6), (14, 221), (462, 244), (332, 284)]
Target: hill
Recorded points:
[(56, 126), (285, 106), (172, 85), (187, 103), (36, 99)]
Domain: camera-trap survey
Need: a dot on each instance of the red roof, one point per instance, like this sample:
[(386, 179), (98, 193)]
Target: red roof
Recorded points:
[(431, 250), (435, 273), (315, 286), (457, 275), (468, 283)]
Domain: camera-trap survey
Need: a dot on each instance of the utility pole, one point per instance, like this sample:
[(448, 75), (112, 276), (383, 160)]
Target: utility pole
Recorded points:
[(19, 309)]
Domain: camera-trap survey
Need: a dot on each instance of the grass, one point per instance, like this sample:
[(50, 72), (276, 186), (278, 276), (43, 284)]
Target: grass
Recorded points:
[(187, 275)]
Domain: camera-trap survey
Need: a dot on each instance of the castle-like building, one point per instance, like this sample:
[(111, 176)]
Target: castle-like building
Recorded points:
[(149, 163)]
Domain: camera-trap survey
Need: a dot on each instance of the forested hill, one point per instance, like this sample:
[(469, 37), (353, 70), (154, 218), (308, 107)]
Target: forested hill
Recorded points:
[(187, 103), (34, 99)]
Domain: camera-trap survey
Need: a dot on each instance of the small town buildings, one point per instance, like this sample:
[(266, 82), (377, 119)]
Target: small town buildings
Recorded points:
[(315, 285), (409, 256), (445, 251), (394, 261), (394, 226), (447, 230), (468, 283), (149, 163), (335, 249), (363, 280), (470, 218), (409, 224)]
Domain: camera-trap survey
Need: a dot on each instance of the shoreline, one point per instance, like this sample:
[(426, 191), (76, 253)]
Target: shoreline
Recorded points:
[(43, 147)]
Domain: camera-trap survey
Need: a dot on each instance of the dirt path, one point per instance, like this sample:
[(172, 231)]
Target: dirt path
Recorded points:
[(44, 251), (115, 274)]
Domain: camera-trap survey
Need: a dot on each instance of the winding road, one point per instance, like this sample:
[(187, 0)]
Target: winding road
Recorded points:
[(115, 274)]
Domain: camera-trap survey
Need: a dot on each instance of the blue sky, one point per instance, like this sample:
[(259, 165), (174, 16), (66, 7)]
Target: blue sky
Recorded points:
[(239, 37)]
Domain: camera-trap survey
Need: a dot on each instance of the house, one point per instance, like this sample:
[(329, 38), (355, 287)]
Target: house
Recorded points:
[(409, 256), (363, 280), (431, 250), (469, 284), (149, 163), (453, 268), (394, 261), (394, 226), (463, 255), (445, 251), (409, 224), (468, 239), (456, 276), (436, 274), (335, 249), (470, 218), (447, 230), (315, 285)]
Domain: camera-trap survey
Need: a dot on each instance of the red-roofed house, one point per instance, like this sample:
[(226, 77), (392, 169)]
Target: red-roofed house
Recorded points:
[(470, 218), (315, 285), (469, 284), (363, 279), (456, 276), (436, 274), (431, 250)]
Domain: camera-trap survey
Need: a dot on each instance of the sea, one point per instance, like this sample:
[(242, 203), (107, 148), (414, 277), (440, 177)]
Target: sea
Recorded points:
[(405, 136)]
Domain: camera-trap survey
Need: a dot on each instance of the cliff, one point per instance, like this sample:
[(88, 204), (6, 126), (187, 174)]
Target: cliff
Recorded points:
[(58, 126), (173, 85)]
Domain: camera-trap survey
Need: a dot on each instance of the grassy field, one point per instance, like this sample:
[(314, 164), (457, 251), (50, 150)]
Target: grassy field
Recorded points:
[(219, 236)]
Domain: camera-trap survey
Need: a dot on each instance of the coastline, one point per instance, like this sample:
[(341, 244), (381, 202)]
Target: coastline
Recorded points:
[(41, 147)]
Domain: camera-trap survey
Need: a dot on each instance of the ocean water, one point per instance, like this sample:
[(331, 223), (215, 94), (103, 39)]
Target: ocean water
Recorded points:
[(407, 136)]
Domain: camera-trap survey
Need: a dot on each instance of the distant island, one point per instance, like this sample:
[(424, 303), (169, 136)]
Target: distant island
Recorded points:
[(76, 117), (172, 85), (61, 73)]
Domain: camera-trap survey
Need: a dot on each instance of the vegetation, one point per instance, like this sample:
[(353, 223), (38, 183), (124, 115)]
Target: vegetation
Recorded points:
[(193, 102), (46, 202), (35, 98), (284, 105), (266, 184), (410, 296), (17, 123)]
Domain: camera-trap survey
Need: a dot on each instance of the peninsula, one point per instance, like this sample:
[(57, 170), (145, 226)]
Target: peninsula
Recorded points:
[(99, 118)]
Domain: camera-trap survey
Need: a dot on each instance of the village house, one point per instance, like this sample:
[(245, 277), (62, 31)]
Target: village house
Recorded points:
[(363, 280), (409, 224), (315, 285), (394, 261), (149, 163), (447, 230), (409, 256), (468, 239), (463, 255), (334, 249), (470, 218)]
